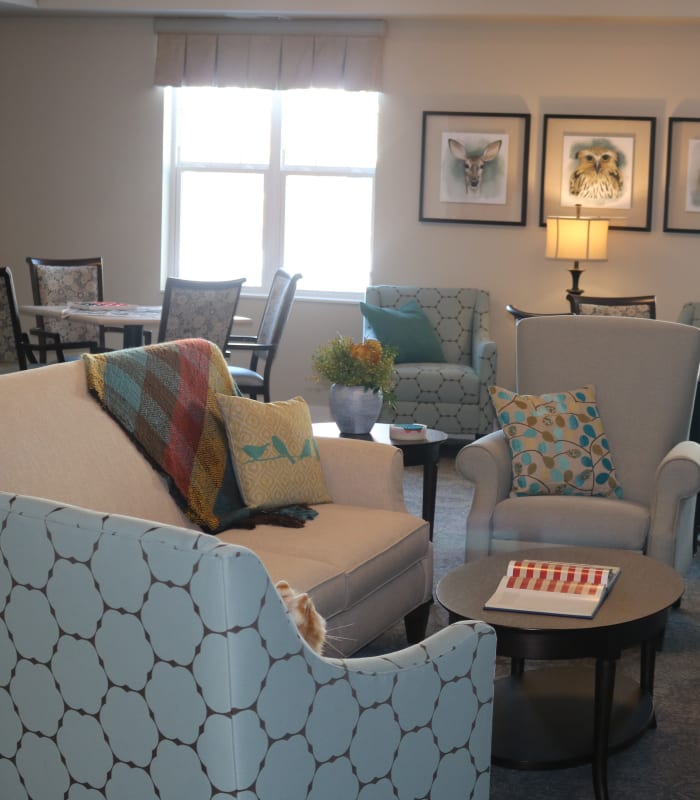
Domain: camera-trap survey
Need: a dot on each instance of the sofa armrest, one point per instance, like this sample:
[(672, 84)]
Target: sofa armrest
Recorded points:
[(677, 482), (485, 463), (484, 349), (362, 473)]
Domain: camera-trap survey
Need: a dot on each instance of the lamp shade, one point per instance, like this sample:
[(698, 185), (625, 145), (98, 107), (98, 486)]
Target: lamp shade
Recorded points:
[(577, 238)]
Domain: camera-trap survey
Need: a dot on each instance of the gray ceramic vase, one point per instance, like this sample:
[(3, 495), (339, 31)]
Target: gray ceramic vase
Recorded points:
[(354, 408)]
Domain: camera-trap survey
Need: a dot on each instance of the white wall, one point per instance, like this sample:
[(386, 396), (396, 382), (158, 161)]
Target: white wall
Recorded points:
[(80, 160), (538, 68)]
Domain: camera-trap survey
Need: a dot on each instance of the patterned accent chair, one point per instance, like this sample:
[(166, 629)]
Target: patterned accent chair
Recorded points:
[(646, 427), (452, 396), (199, 310), (144, 661), (57, 282), (16, 351)]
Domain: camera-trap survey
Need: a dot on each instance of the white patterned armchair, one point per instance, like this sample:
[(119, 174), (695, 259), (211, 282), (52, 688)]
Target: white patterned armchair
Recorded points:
[(140, 660), (451, 396)]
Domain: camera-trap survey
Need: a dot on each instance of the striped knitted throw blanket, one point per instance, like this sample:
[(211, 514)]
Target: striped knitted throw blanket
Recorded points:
[(163, 396)]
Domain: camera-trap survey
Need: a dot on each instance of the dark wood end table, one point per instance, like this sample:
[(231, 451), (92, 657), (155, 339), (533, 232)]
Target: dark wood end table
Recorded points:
[(425, 453), (561, 716)]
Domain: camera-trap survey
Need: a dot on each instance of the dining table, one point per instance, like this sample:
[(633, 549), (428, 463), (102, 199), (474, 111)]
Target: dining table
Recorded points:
[(131, 318)]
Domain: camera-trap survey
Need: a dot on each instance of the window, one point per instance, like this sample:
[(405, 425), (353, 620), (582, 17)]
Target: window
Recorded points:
[(257, 179)]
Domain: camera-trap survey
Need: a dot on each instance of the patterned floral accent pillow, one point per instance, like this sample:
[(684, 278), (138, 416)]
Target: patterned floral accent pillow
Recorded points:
[(557, 443), (274, 452)]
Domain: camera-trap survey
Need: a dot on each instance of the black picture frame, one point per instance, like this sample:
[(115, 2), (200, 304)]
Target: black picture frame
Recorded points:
[(619, 189), (682, 189), (494, 148)]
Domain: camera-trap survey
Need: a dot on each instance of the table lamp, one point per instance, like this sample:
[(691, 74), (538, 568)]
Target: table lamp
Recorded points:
[(577, 239)]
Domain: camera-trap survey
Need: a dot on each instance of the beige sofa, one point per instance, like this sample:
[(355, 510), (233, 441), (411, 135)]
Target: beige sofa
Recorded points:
[(366, 562)]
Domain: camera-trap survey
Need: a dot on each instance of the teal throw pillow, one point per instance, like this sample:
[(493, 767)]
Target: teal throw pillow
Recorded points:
[(407, 329), (557, 443)]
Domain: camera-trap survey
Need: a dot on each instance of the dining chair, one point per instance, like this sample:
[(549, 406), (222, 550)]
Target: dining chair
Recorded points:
[(519, 313), (630, 306), (199, 310), (59, 281), (255, 379), (15, 346)]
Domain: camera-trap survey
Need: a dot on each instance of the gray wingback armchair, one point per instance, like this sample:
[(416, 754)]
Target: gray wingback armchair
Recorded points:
[(451, 396), (645, 374)]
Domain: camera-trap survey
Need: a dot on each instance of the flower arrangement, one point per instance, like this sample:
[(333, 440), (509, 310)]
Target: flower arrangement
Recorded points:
[(344, 362)]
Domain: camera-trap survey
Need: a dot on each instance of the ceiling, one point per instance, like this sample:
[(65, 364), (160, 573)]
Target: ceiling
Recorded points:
[(642, 10)]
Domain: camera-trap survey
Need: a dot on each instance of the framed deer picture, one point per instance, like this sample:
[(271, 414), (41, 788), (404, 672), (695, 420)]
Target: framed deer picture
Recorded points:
[(474, 168)]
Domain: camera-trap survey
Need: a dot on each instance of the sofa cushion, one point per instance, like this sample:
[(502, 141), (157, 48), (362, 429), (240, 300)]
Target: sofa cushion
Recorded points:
[(273, 451), (364, 568), (407, 329), (377, 546), (557, 443), (437, 383)]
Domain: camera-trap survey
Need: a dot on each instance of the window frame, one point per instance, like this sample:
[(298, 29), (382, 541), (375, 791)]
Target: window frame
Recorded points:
[(274, 174)]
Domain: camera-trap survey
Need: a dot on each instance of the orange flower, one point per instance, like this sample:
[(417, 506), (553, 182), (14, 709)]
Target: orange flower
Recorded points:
[(370, 352)]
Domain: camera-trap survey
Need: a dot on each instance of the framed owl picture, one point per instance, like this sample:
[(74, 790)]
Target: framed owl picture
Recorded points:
[(682, 193), (603, 164)]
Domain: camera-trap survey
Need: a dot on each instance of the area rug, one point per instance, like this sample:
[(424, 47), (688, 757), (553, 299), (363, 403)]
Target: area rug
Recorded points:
[(665, 763)]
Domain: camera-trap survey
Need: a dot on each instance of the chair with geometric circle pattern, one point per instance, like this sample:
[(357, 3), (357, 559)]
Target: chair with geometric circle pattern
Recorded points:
[(451, 395), (144, 661)]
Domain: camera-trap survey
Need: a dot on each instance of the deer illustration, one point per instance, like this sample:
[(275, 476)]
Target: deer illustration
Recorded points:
[(474, 163)]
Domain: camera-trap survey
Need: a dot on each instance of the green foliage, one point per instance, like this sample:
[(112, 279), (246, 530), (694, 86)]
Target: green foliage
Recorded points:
[(367, 364)]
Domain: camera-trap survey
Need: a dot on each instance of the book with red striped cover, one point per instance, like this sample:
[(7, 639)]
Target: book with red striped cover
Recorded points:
[(548, 587)]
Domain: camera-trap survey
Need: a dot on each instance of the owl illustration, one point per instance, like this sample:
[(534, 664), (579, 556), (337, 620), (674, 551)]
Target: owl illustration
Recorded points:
[(597, 176)]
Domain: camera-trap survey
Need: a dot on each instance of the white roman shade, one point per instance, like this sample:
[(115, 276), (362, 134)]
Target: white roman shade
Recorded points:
[(288, 55)]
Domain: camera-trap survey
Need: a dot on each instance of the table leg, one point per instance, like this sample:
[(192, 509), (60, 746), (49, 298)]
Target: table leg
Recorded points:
[(647, 664), (133, 336), (604, 688), (430, 472)]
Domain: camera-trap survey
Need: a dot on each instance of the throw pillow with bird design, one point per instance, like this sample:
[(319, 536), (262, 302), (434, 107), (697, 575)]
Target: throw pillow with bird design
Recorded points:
[(274, 452)]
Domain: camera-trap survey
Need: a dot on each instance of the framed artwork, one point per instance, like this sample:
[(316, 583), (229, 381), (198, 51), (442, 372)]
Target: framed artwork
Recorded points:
[(605, 164), (474, 168), (682, 193)]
